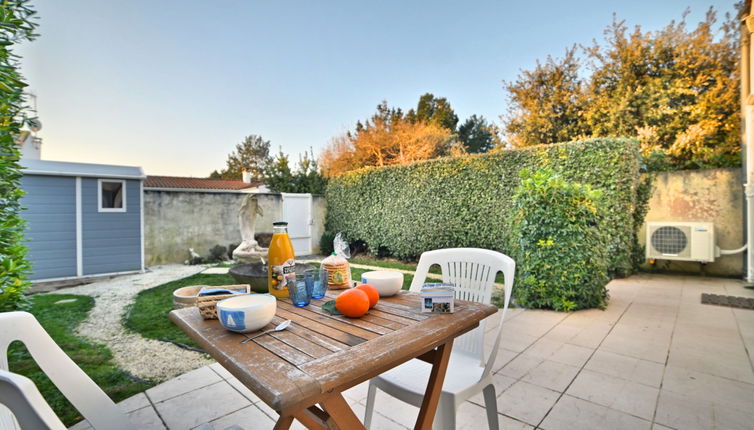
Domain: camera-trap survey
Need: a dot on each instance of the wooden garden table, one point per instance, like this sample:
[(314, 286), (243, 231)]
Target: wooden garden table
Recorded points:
[(302, 371)]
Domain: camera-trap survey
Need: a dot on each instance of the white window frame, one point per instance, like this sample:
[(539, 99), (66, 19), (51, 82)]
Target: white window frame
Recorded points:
[(99, 195)]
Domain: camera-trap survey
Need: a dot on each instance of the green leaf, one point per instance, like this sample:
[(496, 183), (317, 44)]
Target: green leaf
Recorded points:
[(330, 308)]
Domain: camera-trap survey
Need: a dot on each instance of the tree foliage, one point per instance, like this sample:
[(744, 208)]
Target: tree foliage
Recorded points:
[(434, 110), (676, 89), (307, 178), (16, 25), (477, 135), (389, 137), (252, 155)]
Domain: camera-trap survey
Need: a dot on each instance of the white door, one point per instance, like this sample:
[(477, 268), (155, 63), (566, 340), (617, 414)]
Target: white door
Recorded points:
[(297, 211)]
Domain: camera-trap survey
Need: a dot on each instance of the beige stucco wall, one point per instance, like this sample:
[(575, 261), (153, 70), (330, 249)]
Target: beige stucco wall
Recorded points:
[(176, 221), (711, 195)]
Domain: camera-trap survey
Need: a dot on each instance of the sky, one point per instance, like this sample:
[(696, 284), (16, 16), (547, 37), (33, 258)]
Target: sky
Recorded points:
[(172, 86)]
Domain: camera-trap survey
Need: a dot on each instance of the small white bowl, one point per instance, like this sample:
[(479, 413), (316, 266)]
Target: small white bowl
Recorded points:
[(246, 313), (387, 282)]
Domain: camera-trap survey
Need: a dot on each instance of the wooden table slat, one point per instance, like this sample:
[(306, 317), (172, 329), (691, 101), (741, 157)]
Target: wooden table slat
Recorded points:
[(367, 322), (322, 329), (334, 322)]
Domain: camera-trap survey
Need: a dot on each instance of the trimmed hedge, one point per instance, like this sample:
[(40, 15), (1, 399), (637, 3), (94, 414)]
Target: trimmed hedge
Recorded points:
[(467, 201), (16, 25), (562, 250)]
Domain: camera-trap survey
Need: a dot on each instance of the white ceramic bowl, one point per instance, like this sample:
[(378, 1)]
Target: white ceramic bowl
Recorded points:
[(387, 282), (246, 313)]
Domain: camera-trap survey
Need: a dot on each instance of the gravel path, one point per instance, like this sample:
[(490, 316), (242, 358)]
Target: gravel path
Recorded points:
[(144, 358)]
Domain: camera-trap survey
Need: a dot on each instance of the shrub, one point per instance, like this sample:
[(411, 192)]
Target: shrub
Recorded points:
[(325, 243), (561, 250), (467, 201), (16, 27)]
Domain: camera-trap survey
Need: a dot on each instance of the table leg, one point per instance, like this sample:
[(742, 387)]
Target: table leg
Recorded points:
[(284, 422), (341, 415), (434, 387)]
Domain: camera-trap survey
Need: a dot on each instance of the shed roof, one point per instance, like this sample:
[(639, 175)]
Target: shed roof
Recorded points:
[(64, 168), (184, 183)]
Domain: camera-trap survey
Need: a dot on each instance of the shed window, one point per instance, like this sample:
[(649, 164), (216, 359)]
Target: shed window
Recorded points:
[(112, 196)]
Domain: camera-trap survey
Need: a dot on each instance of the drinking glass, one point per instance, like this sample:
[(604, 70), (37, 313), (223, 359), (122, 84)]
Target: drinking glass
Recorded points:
[(297, 290), (316, 282)]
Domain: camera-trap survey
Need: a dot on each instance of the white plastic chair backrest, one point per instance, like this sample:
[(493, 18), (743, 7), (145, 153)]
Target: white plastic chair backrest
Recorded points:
[(472, 271), (19, 395), (75, 385)]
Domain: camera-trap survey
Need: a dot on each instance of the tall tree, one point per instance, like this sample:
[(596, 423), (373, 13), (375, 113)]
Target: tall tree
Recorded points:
[(434, 110), (252, 155), (477, 135), (546, 103), (277, 174), (16, 25), (308, 178), (675, 89), (386, 138)]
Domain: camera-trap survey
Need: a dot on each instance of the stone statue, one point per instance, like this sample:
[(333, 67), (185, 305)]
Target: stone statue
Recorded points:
[(249, 250)]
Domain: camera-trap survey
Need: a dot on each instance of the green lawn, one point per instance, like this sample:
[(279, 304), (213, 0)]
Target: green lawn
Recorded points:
[(60, 321), (148, 315)]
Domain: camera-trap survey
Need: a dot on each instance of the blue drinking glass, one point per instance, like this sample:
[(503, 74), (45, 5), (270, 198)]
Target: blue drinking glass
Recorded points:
[(297, 290), (316, 282)]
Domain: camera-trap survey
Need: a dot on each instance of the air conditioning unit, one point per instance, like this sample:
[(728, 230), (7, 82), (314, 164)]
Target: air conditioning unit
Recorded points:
[(685, 241)]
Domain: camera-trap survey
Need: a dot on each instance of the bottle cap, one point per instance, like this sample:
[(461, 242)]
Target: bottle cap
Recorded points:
[(280, 223)]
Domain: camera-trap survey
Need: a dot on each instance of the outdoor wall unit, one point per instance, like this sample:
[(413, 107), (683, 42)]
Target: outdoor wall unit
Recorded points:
[(684, 241)]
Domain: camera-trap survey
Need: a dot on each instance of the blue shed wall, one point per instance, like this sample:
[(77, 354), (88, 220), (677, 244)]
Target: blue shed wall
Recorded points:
[(50, 214), (111, 241)]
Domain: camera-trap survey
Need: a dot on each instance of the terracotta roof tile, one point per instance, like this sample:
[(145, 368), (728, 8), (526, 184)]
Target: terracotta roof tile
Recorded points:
[(197, 183)]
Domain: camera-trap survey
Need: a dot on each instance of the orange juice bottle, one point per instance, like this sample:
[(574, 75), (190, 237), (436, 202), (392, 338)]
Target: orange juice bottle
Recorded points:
[(280, 261)]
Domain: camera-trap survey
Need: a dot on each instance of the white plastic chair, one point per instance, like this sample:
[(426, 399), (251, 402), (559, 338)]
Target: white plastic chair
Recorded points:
[(473, 272), (24, 407)]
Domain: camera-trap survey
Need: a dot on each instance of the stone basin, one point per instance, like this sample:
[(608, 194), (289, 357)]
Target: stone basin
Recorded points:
[(255, 274)]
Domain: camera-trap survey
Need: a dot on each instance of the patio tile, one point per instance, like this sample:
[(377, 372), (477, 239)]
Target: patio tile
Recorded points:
[(220, 370), (573, 355), (357, 393), (572, 413), (656, 426), (553, 375), (562, 332), (134, 402), (721, 391), (81, 425), (241, 388), (501, 383), (616, 393), (680, 411), (706, 359), (395, 410), (473, 417), (520, 366), (526, 402), (146, 419), (633, 369), (514, 341), (544, 348), (591, 337), (504, 356), (638, 346), (201, 405), (250, 417), (379, 421), (185, 383)]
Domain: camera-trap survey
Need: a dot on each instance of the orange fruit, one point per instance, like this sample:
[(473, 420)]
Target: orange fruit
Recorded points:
[(374, 295), (352, 303)]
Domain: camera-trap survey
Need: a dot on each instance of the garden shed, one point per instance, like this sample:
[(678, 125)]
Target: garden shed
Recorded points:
[(82, 219)]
